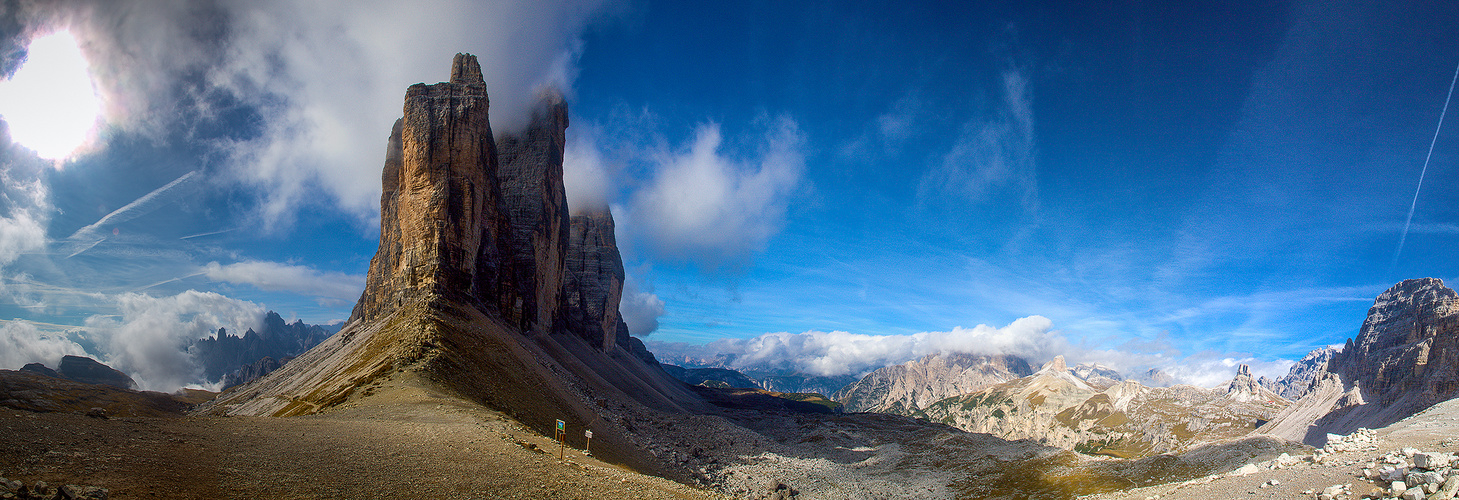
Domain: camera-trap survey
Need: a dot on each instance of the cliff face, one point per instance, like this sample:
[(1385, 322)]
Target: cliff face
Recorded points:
[(535, 242), (439, 221), (594, 281), (1299, 378), (1405, 359)]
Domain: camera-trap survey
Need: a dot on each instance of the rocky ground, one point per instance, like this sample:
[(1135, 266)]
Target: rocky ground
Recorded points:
[(1404, 456), (409, 441)]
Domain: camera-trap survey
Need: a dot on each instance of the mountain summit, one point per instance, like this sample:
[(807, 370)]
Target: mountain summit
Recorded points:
[(483, 285), (1405, 359)]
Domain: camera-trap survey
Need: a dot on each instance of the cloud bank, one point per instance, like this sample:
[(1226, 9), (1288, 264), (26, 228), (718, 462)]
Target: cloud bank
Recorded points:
[(21, 343), (843, 353), (1032, 338), (315, 85), (148, 340), (640, 309)]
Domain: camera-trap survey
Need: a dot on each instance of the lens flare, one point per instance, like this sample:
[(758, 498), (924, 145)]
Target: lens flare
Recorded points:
[(50, 103)]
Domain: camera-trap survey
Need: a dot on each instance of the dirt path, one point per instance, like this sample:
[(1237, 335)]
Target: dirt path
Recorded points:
[(408, 443)]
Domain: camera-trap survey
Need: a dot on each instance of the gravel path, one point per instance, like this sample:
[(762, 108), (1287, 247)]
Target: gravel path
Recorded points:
[(407, 443)]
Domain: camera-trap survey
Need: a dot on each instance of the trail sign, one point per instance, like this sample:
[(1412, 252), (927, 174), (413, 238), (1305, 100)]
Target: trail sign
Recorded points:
[(588, 450), (561, 426)]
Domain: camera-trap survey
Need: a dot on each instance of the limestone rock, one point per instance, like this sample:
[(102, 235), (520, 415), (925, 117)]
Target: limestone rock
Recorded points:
[(594, 280), (1405, 359), (535, 241), (1097, 375), (41, 369), (1300, 377), (1244, 389), (439, 205)]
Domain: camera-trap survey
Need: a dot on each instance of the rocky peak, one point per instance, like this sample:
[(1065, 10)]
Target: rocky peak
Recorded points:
[(1408, 343), (535, 204), (909, 387), (1303, 373), (593, 283), (439, 204), (1244, 388), (1401, 315), (1057, 365), (1097, 374), (1405, 359), (465, 69)]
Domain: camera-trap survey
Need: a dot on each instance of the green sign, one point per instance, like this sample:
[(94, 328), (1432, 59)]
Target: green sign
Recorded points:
[(561, 425)]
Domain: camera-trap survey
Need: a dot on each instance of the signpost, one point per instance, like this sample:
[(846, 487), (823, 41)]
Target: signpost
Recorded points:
[(588, 449), (560, 437)]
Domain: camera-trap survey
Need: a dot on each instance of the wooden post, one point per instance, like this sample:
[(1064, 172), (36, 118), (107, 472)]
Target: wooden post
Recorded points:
[(561, 437), (588, 449)]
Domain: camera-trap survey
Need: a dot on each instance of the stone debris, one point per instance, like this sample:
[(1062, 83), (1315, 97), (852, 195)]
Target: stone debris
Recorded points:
[(40, 490), (1359, 440), (1413, 474)]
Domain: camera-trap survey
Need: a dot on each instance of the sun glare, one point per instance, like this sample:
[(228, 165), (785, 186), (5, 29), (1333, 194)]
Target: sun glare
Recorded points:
[(50, 102)]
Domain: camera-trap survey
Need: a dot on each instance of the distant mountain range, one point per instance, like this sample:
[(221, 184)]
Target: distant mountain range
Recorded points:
[(233, 360)]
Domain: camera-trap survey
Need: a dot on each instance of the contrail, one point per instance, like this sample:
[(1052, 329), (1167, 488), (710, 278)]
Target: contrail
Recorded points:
[(1404, 237), (88, 237)]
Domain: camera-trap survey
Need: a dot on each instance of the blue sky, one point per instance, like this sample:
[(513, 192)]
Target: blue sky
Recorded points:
[(1177, 185)]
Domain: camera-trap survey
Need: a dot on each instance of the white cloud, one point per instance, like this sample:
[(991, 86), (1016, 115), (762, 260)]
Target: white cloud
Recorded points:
[(843, 353), (707, 205), (585, 173), (279, 277), (325, 78), (148, 339), (640, 309), (992, 154), (21, 343)]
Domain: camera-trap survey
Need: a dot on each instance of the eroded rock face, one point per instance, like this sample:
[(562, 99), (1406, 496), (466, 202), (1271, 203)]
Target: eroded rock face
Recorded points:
[(439, 220), (1405, 359), (594, 281), (1301, 376), (1409, 343), (535, 241), (467, 218)]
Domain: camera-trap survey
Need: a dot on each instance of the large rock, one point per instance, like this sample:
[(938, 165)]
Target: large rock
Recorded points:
[(1244, 388), (594, 281), (1300, 377), (1405, 359), (89, 371), (439, 222), (465, 291), (535, 242)]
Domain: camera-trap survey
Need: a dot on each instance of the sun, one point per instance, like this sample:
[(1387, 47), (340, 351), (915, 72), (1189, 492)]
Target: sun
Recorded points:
[(50, 103)]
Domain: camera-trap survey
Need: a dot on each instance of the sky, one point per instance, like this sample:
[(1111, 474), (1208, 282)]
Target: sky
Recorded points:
[(824, 187)]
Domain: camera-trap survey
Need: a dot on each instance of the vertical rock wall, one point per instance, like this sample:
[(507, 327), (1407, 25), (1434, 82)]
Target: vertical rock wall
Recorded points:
[(594, 281), (535, 203), (465, 216), (439, 208)]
